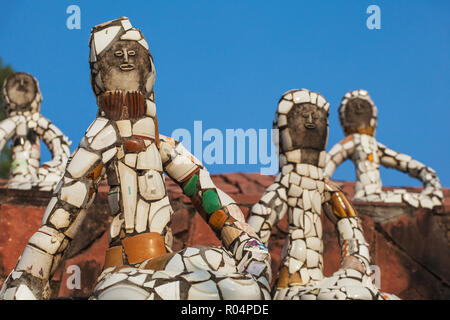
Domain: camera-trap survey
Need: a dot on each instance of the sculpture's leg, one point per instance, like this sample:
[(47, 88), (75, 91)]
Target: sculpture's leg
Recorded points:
[(205, 273)]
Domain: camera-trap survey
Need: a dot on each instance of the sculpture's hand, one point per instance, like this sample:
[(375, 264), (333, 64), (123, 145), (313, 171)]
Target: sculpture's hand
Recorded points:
[(253, 258), (21, 285)]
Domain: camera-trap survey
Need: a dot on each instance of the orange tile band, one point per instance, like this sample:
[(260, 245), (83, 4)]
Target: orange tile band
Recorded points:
[(367, 130), (287, 280), (137, 249), (113, 257), (143, 246)]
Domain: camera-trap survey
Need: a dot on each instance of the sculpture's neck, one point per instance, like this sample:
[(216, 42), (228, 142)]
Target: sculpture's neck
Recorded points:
[(365, 130), (125, 105), (310, 156)]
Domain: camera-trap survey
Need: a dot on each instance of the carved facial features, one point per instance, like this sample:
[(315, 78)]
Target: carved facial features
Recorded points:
[(308, 126), (358, 113), (21, 89), (124, 66)]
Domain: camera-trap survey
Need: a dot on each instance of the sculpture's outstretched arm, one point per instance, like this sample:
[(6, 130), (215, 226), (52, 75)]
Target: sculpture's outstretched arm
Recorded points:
[(217, 208), (431, 184), (8, 128), (56, 142), (338, 154), (354, 247), (64, 214), (270, 209)]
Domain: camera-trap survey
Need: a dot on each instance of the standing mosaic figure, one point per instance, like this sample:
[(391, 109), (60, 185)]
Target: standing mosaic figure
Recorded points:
[(301, 191), (123, 143), (358, 117), (25, 126)]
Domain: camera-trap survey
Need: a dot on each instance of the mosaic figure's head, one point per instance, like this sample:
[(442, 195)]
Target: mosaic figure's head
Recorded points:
[(302, 120), (120, 59), (21, 93), (358, 113)]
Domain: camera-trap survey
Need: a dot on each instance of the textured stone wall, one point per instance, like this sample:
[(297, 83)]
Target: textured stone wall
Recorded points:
[(411, 246)]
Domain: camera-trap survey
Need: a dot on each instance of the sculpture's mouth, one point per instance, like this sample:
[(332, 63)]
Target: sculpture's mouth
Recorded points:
[(310, 126), (22, 88), (127, 67)]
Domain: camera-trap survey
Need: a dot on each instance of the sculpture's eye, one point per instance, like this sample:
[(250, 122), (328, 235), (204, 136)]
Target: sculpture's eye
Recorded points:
[(305, 114), (118, 53), (131, 53)]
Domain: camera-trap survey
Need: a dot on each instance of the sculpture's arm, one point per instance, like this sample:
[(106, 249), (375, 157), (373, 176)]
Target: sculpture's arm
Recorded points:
[(338, 154), (217, 208), (64, 214), (431, 184), (270, 209), (8, 128), (56, 141), (354, 247)]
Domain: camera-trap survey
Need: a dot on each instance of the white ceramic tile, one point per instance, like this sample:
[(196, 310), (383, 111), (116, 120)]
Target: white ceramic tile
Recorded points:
[(96, 126), (169, 291), (106, 137), (144, 127), (103, 37), (159, 216), (151, 185), (206, 290), (81, 162), (74, 194), (36, 262), (149, 159), (301, 96), (142, 215), (124, 127), (129, 194)]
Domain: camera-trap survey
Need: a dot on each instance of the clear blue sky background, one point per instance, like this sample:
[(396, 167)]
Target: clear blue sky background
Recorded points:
[(228, 62)]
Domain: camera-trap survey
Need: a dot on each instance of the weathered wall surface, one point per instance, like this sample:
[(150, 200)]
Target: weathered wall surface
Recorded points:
[(411, 247)]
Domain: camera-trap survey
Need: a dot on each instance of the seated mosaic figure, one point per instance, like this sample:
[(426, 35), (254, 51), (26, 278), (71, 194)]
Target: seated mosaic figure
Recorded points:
[(124, 145), (301, 191), (25, 127), (358, 118)]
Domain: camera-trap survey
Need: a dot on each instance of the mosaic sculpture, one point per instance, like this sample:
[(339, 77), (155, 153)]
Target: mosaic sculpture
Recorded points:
[(123, 143), (358, 117), (301, 191), (25, 126)]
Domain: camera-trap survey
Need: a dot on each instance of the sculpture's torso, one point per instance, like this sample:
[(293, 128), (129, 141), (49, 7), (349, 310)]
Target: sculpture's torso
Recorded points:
[(365, 156), (304, 244)]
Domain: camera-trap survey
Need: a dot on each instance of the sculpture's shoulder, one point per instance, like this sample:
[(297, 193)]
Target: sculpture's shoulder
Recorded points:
[(165, 139), (331, 186)]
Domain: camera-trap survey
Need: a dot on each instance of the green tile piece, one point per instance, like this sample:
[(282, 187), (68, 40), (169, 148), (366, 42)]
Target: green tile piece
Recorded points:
[(191, 186), (210, 201)]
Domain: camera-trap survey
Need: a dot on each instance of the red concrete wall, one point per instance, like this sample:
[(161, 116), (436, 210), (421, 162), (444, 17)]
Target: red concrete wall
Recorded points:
[(411, 248)]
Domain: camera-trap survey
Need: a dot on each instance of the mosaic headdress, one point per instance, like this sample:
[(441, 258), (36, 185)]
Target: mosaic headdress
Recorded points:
[(103, 37), (11, 107), (291, 98), (349, 98)]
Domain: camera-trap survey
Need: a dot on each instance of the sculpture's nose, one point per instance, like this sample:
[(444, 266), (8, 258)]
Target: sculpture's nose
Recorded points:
[(310, 122)]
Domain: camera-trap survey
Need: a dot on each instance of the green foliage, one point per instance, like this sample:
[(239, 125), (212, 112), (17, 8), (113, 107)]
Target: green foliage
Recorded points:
[(5, 154)]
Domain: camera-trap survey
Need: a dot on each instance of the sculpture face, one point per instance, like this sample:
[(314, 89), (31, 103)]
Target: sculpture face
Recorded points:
[(358, 113), (308, 126), (124, 66), (21, 89)]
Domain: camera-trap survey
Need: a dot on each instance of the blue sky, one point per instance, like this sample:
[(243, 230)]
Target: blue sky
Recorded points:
[(228, 62)]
